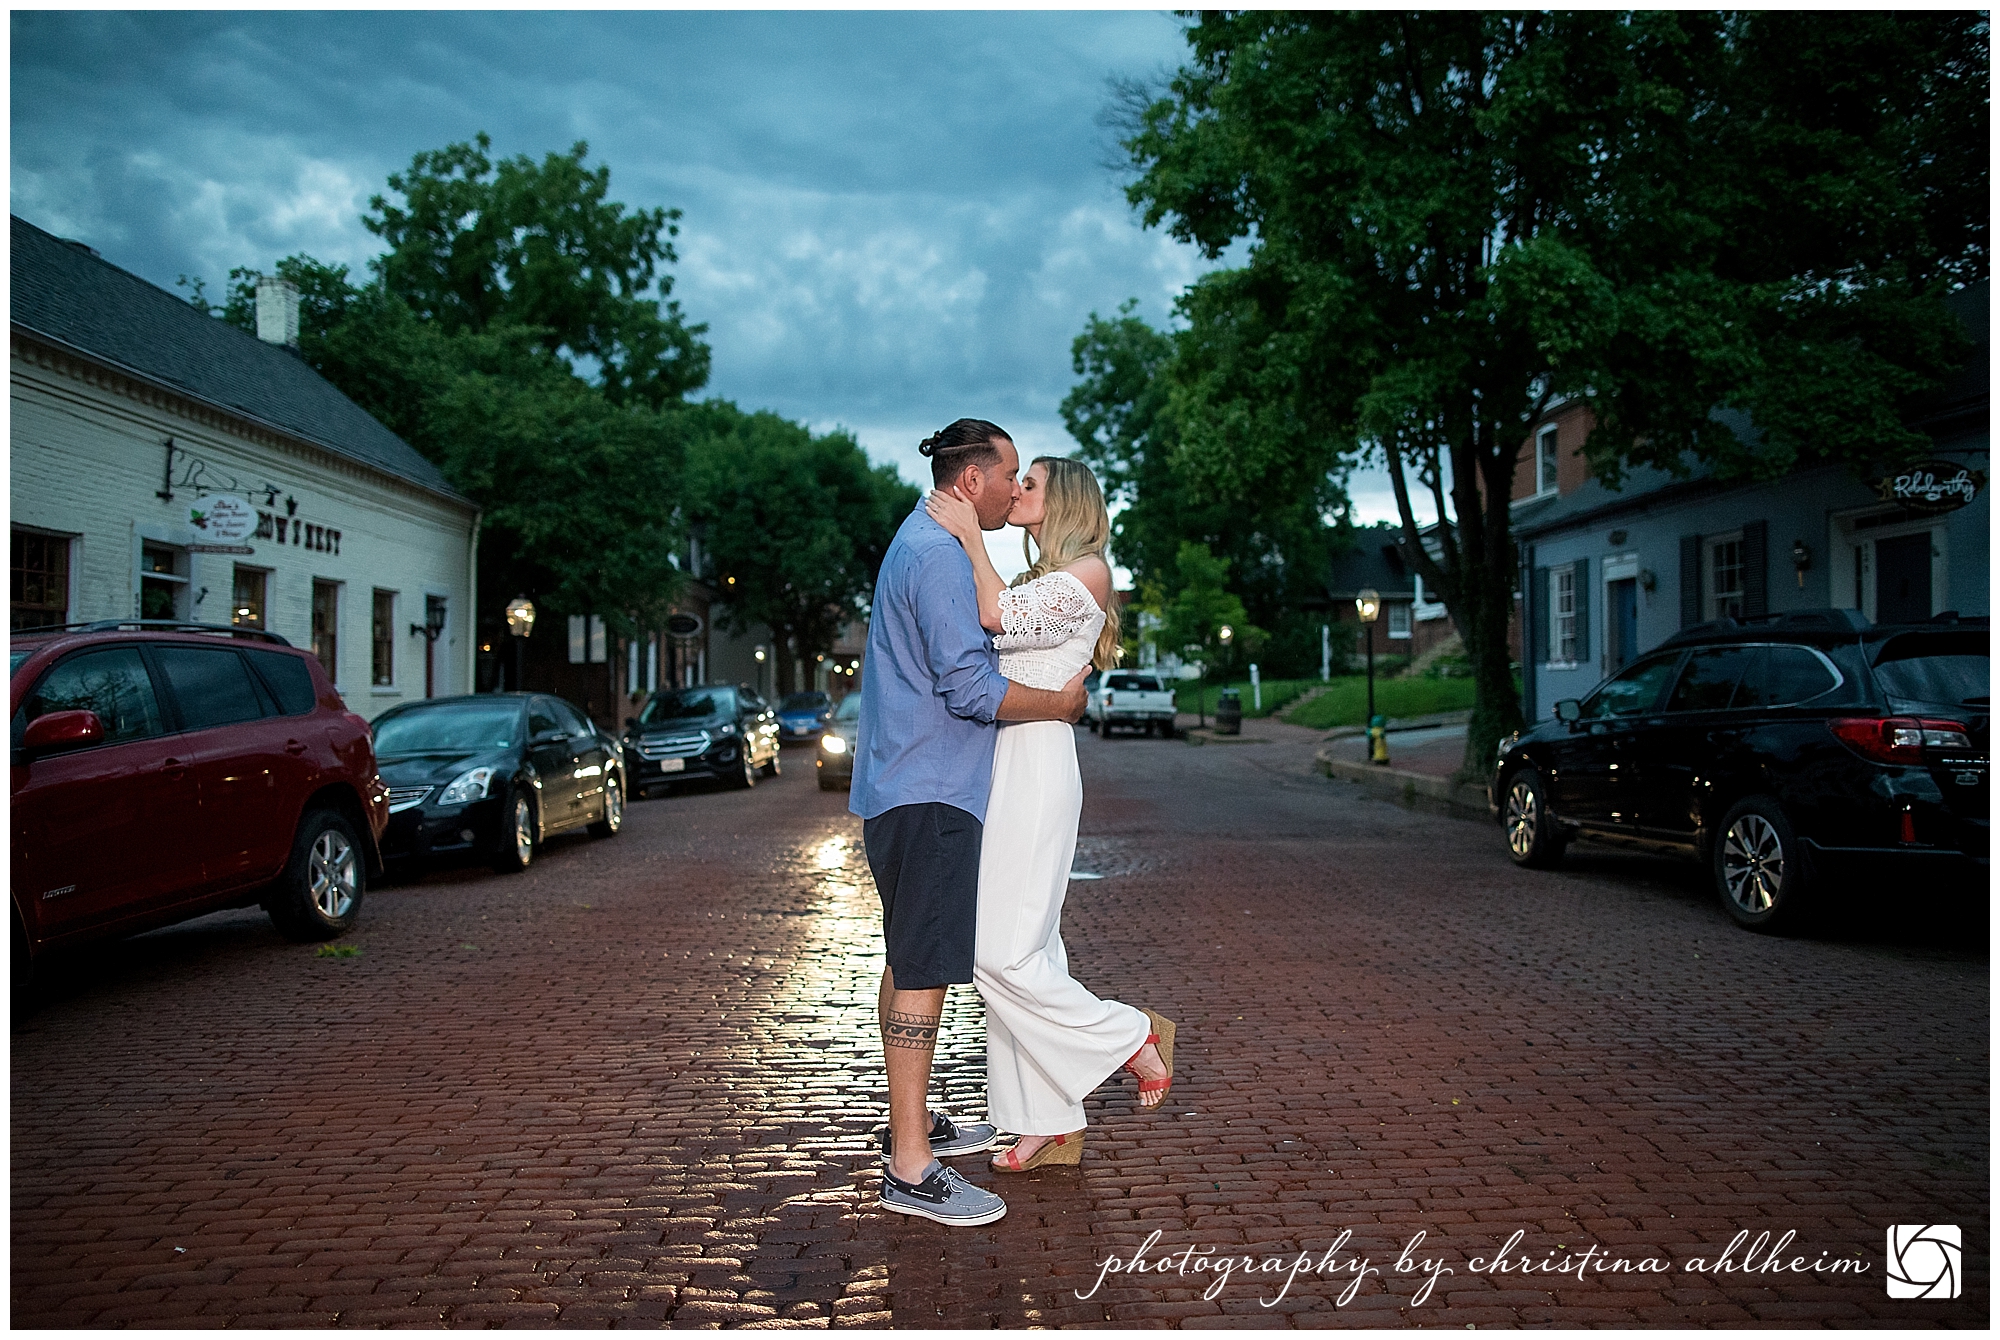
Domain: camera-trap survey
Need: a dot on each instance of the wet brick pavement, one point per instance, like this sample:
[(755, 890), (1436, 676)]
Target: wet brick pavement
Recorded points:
[(635, 1086)]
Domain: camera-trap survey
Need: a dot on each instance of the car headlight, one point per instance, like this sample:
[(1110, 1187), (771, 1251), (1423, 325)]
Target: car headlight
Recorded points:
[(833, 744), (725, 730), (469, 786)]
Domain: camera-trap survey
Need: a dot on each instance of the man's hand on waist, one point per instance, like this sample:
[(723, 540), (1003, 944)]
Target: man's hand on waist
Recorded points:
[(1025, 704)]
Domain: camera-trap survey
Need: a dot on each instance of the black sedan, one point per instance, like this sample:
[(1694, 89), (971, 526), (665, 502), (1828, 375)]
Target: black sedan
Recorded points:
[(493, 775), (1778, 751), (720, 731)]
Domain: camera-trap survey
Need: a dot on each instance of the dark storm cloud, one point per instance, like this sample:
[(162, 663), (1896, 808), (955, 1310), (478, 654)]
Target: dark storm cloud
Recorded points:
[(890, 219)]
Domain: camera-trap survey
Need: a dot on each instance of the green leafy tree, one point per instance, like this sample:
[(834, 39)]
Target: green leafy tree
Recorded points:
[(1120, 412), (476, 243), (794, 526), (578, 494), (1452, 219), (1201, 606)]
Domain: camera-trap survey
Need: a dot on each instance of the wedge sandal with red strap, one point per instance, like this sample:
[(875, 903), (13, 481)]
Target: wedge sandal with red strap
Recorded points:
[(1160, 1034), (1056, 1151)]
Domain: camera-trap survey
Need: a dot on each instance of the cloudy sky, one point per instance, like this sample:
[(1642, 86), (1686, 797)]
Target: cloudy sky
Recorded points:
[(890, 219)]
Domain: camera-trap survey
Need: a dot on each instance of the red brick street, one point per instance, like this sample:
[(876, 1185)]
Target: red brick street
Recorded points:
[(636, 1086)]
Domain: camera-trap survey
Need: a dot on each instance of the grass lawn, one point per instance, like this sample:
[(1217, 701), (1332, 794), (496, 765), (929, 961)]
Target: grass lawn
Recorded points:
[(1277, 692), (1346, 703)]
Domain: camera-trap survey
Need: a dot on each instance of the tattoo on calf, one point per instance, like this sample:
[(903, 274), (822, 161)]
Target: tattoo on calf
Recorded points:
[(910, 1030)]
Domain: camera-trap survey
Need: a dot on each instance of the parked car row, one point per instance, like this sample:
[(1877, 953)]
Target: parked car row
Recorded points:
[(1778, 751), (163, 770)]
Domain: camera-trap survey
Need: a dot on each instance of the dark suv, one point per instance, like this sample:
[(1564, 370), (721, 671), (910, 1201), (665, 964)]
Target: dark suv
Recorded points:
[(162, 771), (707, 731), (1777, 750)]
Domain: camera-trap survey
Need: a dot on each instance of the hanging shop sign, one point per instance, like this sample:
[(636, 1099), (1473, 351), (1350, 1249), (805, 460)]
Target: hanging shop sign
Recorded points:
[(684, 625), (1932, 487), (222, 518)]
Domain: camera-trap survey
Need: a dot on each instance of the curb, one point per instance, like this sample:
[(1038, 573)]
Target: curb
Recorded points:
[(1412, 790), (1458, 718)]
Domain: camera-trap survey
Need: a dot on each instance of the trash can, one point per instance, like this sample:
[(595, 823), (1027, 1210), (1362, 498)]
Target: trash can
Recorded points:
[(1229, 713)]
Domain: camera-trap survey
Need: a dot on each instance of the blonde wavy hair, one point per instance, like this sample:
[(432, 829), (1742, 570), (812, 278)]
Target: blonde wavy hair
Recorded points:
[(1075, 523)]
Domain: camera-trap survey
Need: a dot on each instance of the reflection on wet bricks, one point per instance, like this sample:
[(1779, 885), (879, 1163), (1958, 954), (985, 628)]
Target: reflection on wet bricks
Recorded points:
[(637, 1085)]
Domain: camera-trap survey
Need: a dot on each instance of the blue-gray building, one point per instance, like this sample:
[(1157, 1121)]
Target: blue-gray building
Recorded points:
[(1608, 574)]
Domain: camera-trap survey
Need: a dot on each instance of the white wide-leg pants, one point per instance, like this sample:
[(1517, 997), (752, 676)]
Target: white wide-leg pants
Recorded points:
[(1049, 1041)]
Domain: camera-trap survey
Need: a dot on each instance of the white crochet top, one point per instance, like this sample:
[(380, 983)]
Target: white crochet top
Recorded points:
[(1048, 628)]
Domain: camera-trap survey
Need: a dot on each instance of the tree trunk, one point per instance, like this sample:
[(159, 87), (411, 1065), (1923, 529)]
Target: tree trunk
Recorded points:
[(1475, 576)]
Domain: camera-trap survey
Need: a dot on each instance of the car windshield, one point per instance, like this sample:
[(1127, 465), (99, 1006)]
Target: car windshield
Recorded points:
[(455, 728), (1133, 683), (849, 709), (1951, 668), (803, 702), (687, 705), (14, 659)]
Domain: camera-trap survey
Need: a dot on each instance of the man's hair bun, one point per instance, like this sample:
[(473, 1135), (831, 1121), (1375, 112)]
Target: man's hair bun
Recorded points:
[(961, 443)]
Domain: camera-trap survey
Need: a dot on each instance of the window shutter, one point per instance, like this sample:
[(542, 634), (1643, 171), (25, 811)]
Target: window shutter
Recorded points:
[(1756, 548), (1690, 580), (1583, 611), (1540, 597)]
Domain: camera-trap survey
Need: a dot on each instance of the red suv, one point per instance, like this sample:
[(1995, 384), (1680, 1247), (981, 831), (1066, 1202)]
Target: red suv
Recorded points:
[(163, 771)]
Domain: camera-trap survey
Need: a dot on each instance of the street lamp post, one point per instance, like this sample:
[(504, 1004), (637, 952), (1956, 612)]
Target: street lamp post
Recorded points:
[(1226, 635), (520, 623), (1368, 605), (760, 671)]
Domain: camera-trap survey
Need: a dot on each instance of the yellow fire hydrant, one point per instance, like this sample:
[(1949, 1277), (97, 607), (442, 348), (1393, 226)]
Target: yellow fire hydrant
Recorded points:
[(1378, 740)]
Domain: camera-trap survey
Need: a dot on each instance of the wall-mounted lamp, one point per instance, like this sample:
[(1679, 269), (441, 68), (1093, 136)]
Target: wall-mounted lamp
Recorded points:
[(1617, 538), (1801, 559), (1647, 580)]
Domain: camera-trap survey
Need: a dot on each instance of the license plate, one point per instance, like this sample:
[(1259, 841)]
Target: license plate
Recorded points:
[(673, 765)]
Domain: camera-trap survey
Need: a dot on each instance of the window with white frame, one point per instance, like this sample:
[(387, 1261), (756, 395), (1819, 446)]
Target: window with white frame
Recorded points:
[(1545, 460), (1562, 616), (1725, 576), (1399, 619)]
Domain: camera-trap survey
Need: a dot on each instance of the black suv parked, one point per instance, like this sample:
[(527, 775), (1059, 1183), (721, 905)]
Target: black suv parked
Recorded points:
[(707, 731), (1774, 749)]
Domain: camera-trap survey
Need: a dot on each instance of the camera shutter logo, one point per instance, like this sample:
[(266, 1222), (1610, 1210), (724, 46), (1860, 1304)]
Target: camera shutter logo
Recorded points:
[(1923, 1260)]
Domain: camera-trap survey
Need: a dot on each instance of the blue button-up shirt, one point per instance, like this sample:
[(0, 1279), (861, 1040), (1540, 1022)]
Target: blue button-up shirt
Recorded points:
[(932, 685)]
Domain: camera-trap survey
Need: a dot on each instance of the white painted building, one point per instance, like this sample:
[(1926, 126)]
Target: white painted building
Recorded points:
[(165, 464)]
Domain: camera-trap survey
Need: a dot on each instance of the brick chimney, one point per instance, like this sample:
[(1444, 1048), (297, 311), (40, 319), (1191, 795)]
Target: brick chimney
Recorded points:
[(277, 311)]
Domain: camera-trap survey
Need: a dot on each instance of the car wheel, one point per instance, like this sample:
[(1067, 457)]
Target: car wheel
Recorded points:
[(775, 766), (614, 809), (1532, 837), (518, 838), (747, 772), (1760, 868), (319, 895)]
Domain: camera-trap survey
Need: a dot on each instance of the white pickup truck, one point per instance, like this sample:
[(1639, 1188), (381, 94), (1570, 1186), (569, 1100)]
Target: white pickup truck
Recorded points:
[(1131, 699)]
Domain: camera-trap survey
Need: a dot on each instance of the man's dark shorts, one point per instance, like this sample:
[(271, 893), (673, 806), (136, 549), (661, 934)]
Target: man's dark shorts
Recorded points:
[(926, 863)]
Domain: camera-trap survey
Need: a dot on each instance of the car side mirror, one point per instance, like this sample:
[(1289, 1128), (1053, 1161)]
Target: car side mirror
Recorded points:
[(1569, 710), (61, 730), (548, 737)]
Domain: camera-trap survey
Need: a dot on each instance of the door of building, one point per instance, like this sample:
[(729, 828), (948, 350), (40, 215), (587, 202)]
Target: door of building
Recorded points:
[(1903, 579), (1622, 603)]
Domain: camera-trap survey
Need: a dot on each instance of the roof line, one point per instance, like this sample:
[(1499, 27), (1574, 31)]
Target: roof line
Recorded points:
[(232, 411)]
